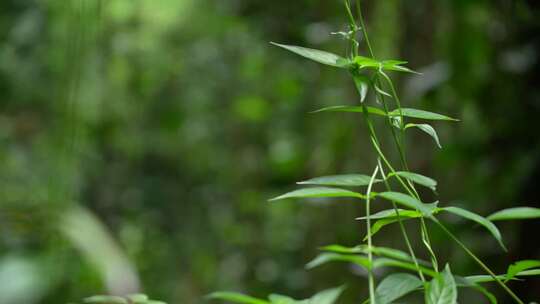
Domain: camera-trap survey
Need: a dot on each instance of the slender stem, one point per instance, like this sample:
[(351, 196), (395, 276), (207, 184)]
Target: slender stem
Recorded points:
[(479, 262), (410, 188), (402, 227), (375, 142), (398, 142), (450, 234), (427, 243), (462, 245), (425, 235), (352, 24), (376, 145), (371, 280)]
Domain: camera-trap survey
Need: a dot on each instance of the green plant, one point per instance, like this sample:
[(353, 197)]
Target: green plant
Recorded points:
[(438, 284), (129, 299)]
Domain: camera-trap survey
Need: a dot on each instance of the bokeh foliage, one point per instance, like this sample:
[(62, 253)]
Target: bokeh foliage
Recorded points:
[(140, 140)]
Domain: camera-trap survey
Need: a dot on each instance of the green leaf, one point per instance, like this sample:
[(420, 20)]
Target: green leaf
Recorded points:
[(362, 85), (393, 62), (318, 192), (382, 92), (328, 296), (363, 261), (480, 220), (103, 299), (408, 201), (517, 213), (532, 272), (388, 262), (391, 213), (343, 249), (138, 298), (280, 299), (235, 297), (399, 68), (487, 278), (442, 289), (396, 254), (354, 109), (396, 286), (326, 257), (366, 62), (390, 65), (345, 180), (378, 251), (379, 224), (421, 114), (484, 278), (417, 178), (428, 129), (520, 266), (316, 55), (396, 65), (387, 217)]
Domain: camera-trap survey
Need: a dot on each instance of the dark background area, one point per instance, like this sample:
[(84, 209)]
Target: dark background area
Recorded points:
[(140, 141)]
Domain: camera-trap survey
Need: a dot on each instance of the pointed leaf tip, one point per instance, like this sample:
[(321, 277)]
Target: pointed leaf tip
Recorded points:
[(344, 180), (235, 297), (323, 57), (417, 178), (428, 129), (520, 266), (517, 213), (316, 192), (409, 201), (479, 220), (420, 114), (442, 289)]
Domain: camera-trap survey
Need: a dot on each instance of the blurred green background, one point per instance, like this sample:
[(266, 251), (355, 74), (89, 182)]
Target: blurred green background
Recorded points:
[(140, 141)]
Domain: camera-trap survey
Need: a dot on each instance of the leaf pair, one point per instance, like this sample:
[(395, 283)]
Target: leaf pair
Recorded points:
[(388, 257), (405, 112), (376, 250), (352, 180), (517, 269), (349, 180), (129, 299), (334, 60), (389, 216), (328, 296), (389, 65), (440, 290)]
